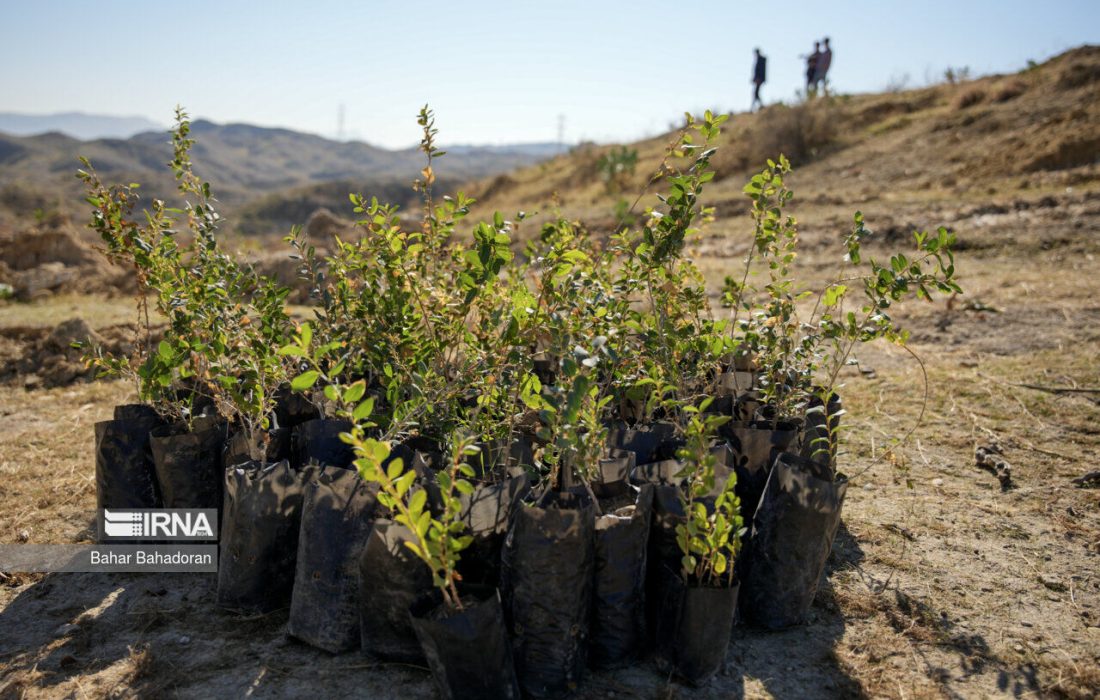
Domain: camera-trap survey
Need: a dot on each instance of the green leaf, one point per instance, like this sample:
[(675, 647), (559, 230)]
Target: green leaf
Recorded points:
[(405, 482), (395, 468), (417, 501), (834, 294), (305, 380), (363, 410), (355, 392), (422, 523)]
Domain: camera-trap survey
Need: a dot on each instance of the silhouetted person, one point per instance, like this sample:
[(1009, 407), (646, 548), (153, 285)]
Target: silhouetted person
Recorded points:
[(759, 75), (811, 68), (821, 69)]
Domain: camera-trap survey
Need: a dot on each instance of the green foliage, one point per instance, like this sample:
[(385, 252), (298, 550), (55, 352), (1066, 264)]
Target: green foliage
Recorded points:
[(433, 330), (710, 538), (674, 340), (799, 357), (224, 319), (439, 541)]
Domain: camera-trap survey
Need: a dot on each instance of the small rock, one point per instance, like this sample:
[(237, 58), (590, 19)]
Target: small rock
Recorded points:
[(24, 535), (868, 487), (1052, 583), (184, 639), (937, 482), (67, 628), (1019, 648), (75, 330)]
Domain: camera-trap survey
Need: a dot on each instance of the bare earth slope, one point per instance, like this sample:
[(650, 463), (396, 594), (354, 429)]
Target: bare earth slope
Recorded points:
[(942, 582)]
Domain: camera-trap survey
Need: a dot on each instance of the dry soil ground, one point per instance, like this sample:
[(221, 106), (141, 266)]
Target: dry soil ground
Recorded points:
[(942, 582), (951, 587)]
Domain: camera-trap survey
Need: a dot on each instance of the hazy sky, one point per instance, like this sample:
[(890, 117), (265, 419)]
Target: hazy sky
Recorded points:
[(495, 72)]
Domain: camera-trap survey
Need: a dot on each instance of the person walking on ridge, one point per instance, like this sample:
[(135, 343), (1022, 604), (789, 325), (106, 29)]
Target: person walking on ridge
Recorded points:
[(759, 75), (824, 60), (811, 68)]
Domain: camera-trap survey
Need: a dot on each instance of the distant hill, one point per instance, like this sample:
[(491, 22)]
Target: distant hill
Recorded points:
[(245, 165), (542, 150), (77, 125)]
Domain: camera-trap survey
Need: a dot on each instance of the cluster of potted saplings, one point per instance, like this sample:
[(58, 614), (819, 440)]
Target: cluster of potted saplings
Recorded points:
[(511, 467)]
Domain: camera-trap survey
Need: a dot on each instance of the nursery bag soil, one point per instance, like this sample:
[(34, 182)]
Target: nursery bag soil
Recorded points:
[(468, 651), (487, 513), (337, 511), (188, 463), (391, 578), (259, 536), (613, 478), (318, 442), (240, 448), (125, 476), (693, 630), (546, 587), (792, 533), (618, 631)]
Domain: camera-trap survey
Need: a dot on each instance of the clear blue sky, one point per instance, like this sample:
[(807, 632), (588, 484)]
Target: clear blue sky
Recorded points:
[(495, 72)]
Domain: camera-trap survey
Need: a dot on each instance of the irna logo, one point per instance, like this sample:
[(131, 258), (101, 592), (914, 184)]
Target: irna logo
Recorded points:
[(159, 524)]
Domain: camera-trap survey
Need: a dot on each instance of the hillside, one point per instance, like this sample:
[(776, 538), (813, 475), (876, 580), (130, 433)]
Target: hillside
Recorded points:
[(1037, 131)]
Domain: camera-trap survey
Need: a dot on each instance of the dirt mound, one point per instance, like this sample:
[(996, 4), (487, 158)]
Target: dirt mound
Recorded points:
[(322, 225), (40, 246), (43, 357), (1080, 67), (44, 260)]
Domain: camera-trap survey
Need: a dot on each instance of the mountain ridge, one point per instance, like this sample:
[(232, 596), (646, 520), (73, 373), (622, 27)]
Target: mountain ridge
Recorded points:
[(244, 164)]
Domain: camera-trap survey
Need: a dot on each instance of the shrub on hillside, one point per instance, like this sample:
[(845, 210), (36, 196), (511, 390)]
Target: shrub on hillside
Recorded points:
[(968, 98), (1009, 91), (799, 131)]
